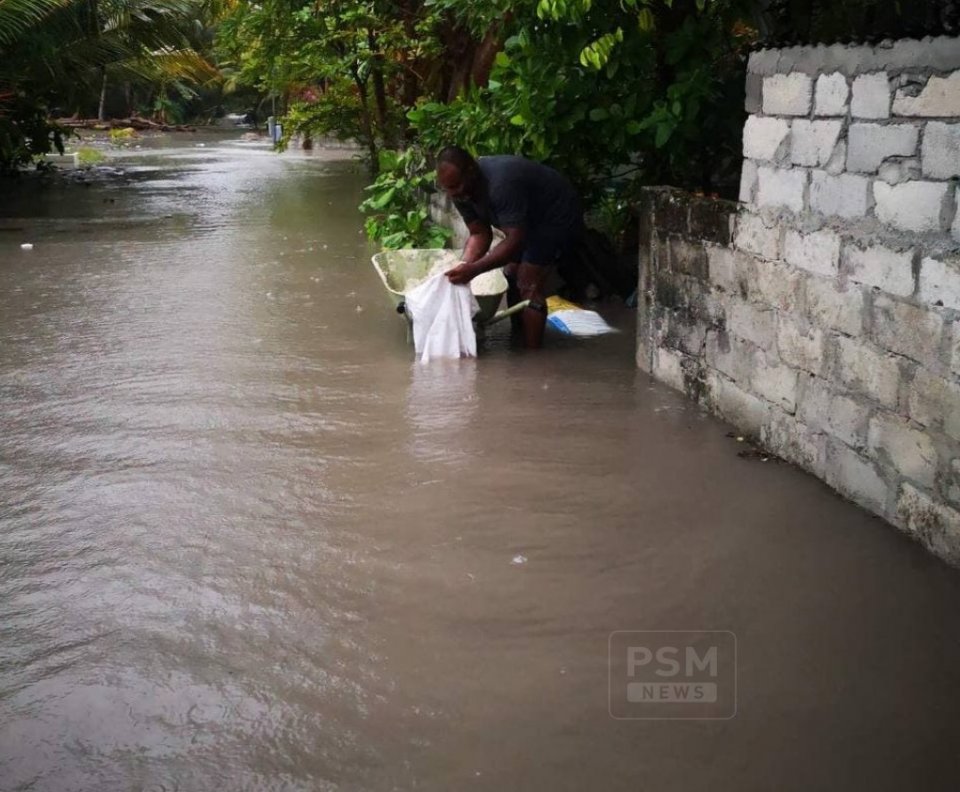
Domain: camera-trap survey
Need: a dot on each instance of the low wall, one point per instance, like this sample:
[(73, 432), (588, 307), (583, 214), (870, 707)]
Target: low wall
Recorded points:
[(444, 213), (822, 313)]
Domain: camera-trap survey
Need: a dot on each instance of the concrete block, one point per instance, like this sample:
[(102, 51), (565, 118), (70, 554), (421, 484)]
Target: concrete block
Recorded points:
[(868, 145), (939, 54), (864, 369), (912, 330), (712, 220), (856, 477), (731, 356), (763, 62), (886, 269), (777, 285), (754, 236), (934, 402), (782, 187), (688, 257), (940, 98), (941, 150), (914, 205), (955, 352), (845, 195), (955, 227), (748, 182), (722, 268), (672, 213), (899, 170), (753, 94), (800, 346), (837, 163), (952, 487), (871, 96), (751, 323), (731, 270), (667, 367), (823, 407), (827, 305), (741, 408), (813, 142), (930, 522), (787, 94), (896, 444), (682, 330), (832, 95), (940, 282), (765, 138), (792, 440), (817, 252), (776, 384)]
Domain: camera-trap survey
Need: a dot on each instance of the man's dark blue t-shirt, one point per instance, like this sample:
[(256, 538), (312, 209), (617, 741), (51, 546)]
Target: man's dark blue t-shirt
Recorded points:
[(524, 194)]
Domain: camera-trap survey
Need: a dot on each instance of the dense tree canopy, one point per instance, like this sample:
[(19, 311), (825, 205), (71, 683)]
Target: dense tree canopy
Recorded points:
[(63, 54)]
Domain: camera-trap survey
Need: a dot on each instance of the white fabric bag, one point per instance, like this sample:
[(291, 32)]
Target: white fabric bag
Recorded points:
[(442, 319)]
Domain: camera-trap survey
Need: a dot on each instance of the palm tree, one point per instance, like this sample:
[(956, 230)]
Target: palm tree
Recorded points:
[(66, 51)]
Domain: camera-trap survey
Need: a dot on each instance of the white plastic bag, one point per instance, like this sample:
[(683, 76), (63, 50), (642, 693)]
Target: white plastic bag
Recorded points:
[(442, 319)]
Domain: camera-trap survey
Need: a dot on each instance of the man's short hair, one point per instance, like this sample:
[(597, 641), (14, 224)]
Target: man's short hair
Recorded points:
[(460, 158)]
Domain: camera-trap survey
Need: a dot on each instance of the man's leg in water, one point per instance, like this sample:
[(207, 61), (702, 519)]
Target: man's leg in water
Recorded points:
[(531, 279), (513, 295)]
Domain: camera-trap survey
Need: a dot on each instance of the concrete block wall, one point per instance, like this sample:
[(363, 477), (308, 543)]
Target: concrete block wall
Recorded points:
[(822, 313)]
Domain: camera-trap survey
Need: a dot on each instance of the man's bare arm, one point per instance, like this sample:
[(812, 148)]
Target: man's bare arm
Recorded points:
[(508, 250), (479, 241)]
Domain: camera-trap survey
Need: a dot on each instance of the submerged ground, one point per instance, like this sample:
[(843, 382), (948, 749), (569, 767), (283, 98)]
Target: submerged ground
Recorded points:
[(247, 543)]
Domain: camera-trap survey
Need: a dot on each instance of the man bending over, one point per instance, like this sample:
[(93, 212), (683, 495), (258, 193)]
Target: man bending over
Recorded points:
[(535, 207)]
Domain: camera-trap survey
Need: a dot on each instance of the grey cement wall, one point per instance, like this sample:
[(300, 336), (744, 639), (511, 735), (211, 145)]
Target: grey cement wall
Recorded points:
[(822, 313), (444, 213)]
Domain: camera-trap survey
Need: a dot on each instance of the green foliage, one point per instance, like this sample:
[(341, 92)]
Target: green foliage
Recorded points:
[(600, 88), (64, 53), (25, 132), (120, 136), (396, 206), (351, 68), (90, 156), (335, 113), (610, 214)]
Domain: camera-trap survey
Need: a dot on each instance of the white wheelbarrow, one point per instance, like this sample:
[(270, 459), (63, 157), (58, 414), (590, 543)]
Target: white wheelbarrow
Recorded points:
[(402, 270)]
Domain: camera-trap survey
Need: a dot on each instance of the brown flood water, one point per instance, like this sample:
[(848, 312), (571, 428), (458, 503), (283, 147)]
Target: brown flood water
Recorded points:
[(247, 544)]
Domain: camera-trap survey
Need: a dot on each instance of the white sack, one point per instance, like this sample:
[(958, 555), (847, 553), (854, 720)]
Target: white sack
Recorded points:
[(442, 319)]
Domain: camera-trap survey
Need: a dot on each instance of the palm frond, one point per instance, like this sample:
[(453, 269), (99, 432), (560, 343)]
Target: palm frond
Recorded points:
[(19, 16)]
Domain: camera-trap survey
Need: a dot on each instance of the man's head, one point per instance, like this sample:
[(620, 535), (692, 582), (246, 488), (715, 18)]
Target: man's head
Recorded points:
[(458, 173)]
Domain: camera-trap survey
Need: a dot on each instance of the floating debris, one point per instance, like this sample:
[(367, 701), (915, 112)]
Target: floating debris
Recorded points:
[(26, 246), (518, 560)]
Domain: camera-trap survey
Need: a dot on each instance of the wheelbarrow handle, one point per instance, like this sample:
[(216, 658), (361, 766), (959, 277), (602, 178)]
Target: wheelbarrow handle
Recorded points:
[(501, 315)]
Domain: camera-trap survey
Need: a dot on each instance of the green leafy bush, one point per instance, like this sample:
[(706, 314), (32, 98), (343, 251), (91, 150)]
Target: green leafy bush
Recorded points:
[(398, 217), (25, 132), (603, 89)]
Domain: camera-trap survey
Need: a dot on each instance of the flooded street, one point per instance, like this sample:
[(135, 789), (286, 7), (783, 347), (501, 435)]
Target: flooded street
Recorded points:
[(246, 543)]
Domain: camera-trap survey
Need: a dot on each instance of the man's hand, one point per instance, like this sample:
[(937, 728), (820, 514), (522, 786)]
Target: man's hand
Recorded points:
[(461, 274)]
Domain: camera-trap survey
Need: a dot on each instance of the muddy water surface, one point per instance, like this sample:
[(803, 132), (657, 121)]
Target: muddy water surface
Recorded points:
[(246, 543)]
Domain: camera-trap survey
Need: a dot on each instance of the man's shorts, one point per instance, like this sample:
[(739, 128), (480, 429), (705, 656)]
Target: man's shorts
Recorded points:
[(544, 245)]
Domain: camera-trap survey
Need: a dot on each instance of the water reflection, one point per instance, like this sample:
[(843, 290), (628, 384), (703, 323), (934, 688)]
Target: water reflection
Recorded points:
[(441, 405)]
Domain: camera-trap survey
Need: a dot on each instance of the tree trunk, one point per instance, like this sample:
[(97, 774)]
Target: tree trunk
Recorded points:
[(486, 53), (380, 89), (101, 111), (366, 121), (411, 85)]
